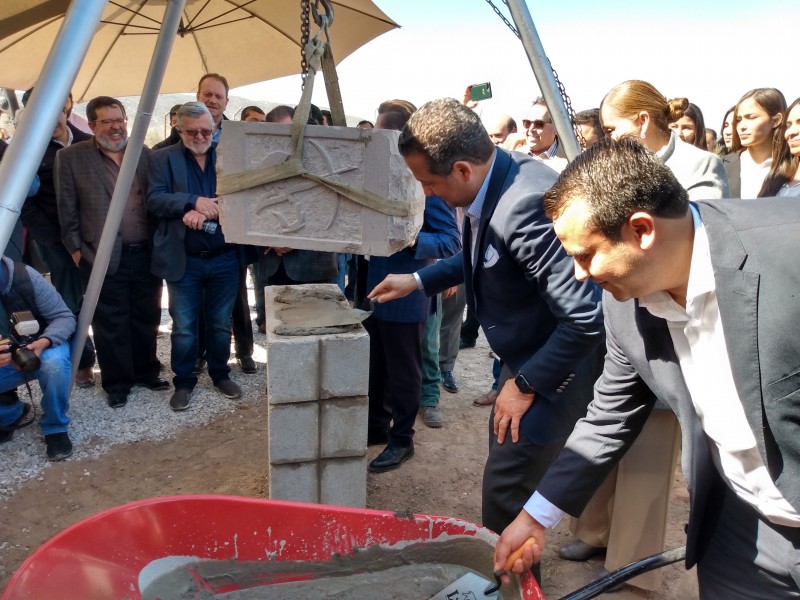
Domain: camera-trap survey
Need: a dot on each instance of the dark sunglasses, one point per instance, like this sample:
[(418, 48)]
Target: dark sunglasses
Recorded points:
[(194, 132), (537, 123)]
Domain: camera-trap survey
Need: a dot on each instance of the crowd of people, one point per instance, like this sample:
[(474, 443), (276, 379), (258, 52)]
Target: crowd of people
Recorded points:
[(602, 286)]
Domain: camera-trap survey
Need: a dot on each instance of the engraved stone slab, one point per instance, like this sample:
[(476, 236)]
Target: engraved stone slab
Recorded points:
[(300, 213)]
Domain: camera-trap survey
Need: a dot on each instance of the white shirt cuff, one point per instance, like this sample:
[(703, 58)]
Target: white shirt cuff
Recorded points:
[(419, 282), (544, 511)]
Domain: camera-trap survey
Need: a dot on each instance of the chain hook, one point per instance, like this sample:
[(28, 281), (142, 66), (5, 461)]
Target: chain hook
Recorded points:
[(326, 20)]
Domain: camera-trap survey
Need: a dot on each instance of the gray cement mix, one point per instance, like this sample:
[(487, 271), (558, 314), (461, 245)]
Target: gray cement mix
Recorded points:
[(315, 312), (416, 571)]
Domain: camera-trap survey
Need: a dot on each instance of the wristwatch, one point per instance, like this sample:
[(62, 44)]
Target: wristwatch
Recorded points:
[(523, 384)]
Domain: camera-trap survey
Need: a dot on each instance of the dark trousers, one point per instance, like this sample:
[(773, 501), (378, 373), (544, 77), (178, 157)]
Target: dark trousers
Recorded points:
[(470, 327), (749, 558), (64, 274), (126, 320), (67, 279), (395, 378), (240, 319), (511, 475)]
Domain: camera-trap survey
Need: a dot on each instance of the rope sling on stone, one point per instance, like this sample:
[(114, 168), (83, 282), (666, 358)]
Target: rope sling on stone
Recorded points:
[(293, 167)]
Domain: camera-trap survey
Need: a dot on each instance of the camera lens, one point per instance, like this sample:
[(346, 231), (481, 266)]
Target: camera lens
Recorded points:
[(25, 359)]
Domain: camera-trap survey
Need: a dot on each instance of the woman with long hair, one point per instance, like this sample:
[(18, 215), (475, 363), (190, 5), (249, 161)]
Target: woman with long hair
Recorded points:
[(756, 140), (726, 133), (691, 127), (784, 177), (637, 109)]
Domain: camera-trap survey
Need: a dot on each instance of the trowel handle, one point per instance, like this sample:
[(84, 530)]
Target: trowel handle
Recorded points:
[(517, 554)]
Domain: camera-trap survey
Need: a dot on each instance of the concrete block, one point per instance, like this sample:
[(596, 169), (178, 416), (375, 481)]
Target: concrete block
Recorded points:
[(292, 368), (344, 365), (343, 427), (300, 213), (343, 482), (293, 432), (298, 482)]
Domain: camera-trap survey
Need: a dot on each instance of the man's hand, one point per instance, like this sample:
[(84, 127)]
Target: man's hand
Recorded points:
[(5, 356), (40, 345), (194, 219), (281, 251), (509, 407), (76, 257), (469, 102), (516, 141), (449, 292), (208, 207), (394, 287), (517, 534)]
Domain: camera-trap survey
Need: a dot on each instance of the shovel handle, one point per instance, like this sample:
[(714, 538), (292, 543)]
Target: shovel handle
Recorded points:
[(517, 554)]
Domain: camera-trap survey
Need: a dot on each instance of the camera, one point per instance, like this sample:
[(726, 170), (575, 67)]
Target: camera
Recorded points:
[(23, 326)]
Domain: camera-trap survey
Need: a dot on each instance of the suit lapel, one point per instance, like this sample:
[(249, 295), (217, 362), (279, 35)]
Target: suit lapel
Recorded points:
[(178, 164), (737, 296), (502, 164), (100, 169)]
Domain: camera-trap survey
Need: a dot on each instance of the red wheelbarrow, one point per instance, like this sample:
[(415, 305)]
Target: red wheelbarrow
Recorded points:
[(200, 547), (204, 546)]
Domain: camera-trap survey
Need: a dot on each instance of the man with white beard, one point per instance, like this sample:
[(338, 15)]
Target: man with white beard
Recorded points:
[(128, 312)]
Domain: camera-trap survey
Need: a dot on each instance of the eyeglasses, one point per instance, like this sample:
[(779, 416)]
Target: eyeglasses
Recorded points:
[(108, 122), (537, 123), (195, 132)]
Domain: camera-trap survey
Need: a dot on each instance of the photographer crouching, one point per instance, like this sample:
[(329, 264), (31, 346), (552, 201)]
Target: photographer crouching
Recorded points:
[(35, 325)]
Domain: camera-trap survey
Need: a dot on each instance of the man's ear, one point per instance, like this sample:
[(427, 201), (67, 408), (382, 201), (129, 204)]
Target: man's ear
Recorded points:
[(642, 227), (464, 170)]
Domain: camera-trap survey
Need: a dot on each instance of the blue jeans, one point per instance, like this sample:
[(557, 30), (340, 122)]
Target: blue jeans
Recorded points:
[(54, 377), (212, 283), (431, 376)]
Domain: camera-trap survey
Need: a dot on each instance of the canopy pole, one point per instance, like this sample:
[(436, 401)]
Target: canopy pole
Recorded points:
[(544, 77), (35, 128), (130, 162)]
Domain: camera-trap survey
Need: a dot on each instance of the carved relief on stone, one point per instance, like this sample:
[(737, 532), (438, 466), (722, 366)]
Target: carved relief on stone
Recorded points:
[(300, 213)]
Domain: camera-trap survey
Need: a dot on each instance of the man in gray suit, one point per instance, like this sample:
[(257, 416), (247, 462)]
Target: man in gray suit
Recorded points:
[(701, 311), (128, 312), (545, 326)]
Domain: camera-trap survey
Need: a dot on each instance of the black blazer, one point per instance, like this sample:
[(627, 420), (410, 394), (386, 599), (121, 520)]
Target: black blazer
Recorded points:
[(537, 317)]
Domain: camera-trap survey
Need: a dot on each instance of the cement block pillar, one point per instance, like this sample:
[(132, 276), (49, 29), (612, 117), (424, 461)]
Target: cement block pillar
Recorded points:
[(317, 409)]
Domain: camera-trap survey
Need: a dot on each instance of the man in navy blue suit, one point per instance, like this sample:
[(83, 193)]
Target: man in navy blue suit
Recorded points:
[(546, 326), (396, 329)]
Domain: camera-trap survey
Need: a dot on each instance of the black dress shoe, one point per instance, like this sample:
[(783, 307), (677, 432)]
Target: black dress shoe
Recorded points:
[(247, 364), (59, 446), (155, 383), (391, 458), (462, 343), (6, 433), (180, 399), (117, 400), (449, 382)]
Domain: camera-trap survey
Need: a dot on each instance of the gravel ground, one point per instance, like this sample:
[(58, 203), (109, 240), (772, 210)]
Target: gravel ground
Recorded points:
[(95, 427)]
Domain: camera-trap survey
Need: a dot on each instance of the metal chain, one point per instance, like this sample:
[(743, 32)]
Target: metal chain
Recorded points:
[(305, 31), (503, 18), (562, 90)]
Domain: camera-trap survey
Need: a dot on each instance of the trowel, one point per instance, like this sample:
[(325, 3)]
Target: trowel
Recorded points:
[(469, 587)]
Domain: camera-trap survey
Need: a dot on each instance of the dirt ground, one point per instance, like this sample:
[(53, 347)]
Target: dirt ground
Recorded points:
[(229, 456)]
